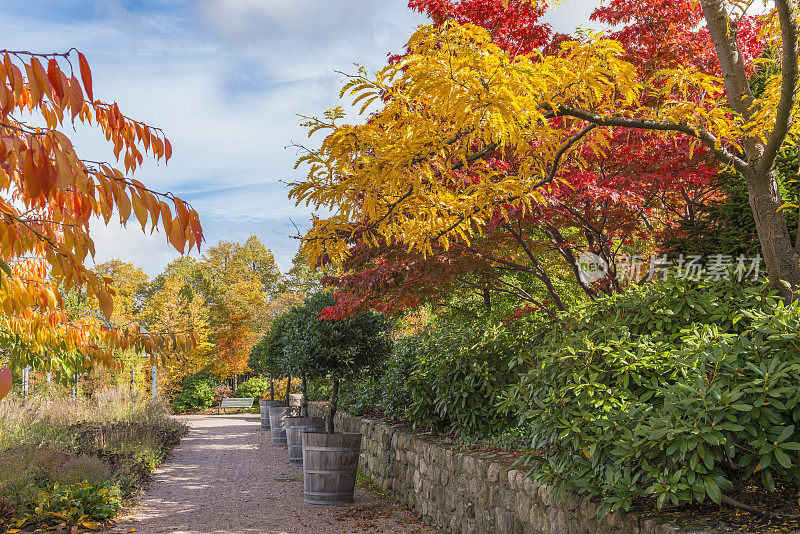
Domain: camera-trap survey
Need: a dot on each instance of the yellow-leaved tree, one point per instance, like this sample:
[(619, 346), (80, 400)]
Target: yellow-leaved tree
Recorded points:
[(176, 302)]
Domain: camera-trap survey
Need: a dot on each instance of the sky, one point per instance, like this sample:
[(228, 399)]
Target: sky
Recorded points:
[(226, 80)]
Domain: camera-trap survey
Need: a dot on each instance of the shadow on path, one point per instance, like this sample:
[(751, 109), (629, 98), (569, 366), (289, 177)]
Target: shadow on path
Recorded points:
[(227, 477)]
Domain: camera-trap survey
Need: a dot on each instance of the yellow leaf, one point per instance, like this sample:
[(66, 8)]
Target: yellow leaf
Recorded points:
[(106, 304)]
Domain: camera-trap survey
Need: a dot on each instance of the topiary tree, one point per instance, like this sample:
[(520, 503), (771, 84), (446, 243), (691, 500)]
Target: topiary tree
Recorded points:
[(339, 348), (267, 356)]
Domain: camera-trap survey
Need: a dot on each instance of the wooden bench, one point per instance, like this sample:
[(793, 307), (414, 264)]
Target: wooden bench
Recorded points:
[(236, 402)]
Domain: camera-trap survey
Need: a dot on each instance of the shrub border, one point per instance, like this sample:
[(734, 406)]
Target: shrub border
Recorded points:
[(468, 492)]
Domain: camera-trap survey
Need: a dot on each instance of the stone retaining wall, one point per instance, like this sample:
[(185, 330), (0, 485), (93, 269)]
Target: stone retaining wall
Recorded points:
[(464, 492)]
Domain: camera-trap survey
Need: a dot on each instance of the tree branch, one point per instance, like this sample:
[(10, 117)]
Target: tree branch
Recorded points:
[(703, 135), (563, 149), (789, 77), (723, 34), (761, 513)]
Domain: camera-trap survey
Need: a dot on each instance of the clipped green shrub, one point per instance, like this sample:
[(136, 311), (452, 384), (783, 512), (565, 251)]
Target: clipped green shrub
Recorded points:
[(677, 391), (196, 393), (338, 349)]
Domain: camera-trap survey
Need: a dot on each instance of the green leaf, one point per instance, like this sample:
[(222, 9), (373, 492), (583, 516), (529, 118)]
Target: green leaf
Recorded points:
[(712, 489), (766, 479), (783, 458)]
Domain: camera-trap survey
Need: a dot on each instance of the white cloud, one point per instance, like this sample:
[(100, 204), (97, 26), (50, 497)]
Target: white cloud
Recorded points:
[(226, 93), (568, 16), (225, 79)]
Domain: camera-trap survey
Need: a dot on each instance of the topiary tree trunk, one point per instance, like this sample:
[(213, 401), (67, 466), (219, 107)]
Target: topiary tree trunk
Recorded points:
[(334, 405), (305, 396)]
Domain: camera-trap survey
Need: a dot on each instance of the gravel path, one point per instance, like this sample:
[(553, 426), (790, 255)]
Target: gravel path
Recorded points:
[(227, 477)]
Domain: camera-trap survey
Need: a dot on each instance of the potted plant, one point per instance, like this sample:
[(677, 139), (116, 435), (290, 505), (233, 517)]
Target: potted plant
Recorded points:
[(337, 349), (267, 357), (297, 362)]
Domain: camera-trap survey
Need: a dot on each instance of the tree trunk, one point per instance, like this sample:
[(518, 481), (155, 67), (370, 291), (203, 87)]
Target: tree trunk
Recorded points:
[(304, 403), (271, 389), (334, 404), (783, 262), (288, 388), (780, 257)]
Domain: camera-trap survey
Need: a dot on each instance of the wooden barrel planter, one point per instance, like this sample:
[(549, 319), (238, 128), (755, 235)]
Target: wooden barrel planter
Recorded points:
[(330, 463), (264, 405), (276, 429), (295, 426)]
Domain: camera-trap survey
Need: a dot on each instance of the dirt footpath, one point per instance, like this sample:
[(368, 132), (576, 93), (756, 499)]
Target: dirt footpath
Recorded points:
[(227, 477)]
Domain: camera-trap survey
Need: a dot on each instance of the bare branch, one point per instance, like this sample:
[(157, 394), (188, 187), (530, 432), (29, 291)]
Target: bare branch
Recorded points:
[(703, 135)]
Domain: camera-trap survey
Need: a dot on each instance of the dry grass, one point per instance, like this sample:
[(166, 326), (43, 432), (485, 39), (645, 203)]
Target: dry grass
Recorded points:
[(111, 439)]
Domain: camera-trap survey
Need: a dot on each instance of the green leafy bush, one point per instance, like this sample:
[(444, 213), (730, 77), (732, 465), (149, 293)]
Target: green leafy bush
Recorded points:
[(257, 387), (678, 391), (341, 349), (267, 356), (451, 377), (196, 393)]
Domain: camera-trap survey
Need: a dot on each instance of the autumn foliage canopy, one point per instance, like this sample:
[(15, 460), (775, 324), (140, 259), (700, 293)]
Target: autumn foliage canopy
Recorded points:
[(49, 194), (491, 150)]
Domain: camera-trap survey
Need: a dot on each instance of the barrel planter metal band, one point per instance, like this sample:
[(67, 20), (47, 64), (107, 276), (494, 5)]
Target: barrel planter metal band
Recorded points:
[(330, 463), (276, 430), (295, 426), (264, 405)]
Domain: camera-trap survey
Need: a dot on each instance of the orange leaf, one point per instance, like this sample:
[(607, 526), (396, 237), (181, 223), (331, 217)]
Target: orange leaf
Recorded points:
[(176, 237), (75, 97), (41, 77), (140, 210), (54, 75), (36, 91), (86, 76)]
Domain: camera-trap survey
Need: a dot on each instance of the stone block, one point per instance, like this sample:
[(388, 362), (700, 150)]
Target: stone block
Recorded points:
[(546, 495), (488, 521), (668, 528), (530, 488), (493, 472), (522, 505), (507, 499), (558, 522), (463, 485), (449, 501), (469, 510), (648, 526), (504, 521), (468, 465)]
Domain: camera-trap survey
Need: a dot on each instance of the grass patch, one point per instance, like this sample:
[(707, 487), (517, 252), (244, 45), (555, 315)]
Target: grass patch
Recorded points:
[(76, 463)]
